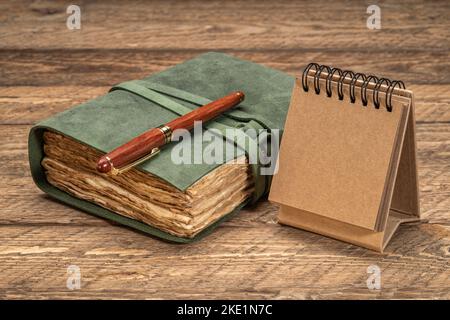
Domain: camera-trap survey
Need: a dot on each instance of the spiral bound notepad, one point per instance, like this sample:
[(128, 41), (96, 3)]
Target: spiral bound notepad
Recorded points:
[(347, 162)]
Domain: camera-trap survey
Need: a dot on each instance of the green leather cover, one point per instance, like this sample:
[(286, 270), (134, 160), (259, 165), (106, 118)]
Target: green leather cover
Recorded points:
[(133, 107)]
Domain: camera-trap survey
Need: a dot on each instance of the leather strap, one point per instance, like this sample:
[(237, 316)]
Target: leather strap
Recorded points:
[(155, 92), (237, 115)]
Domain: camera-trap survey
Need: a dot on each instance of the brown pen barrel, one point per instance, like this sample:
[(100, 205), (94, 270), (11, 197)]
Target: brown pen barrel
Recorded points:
[(206, 112), (142, 145)]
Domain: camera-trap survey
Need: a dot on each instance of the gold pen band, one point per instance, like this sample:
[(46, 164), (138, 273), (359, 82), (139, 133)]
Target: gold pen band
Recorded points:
[(116, 171), (113, 171), (167, 132)]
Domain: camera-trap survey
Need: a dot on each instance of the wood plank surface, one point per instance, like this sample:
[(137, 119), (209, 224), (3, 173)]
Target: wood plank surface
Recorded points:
[(238, 261), (105, 67), (46, 68), (250, 24)]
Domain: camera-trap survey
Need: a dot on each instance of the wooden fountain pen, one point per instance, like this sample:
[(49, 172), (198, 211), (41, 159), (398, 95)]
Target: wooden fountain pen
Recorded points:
[(147, 144)]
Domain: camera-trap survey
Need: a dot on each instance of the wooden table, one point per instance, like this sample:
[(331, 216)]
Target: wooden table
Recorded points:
[(46, 68)]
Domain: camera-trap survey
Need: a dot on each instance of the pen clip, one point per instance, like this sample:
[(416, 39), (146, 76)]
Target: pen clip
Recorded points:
[(116, 171)]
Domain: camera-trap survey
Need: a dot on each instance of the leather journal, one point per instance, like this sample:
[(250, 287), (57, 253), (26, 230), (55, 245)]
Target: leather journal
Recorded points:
[(347, 162), (172, 201)]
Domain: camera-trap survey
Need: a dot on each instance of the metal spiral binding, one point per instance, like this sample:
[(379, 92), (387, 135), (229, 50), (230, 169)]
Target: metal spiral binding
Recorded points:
[(354, 77)]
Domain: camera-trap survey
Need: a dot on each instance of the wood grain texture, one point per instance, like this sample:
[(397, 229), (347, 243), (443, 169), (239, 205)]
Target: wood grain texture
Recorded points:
[(46, 68), (250, 24), (238, 261), (101, 67)]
